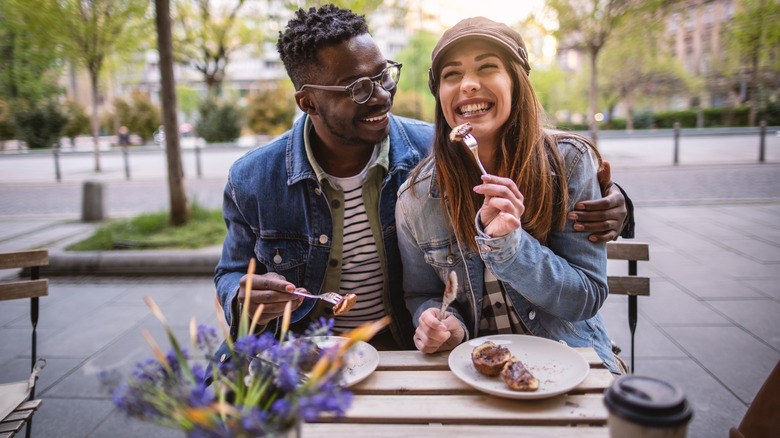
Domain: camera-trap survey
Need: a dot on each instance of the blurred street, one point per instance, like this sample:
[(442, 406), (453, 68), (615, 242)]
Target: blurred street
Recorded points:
[(710, 324)]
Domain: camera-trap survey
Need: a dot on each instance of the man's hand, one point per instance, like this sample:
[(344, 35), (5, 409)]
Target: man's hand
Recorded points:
[(433, 335), (271, 290), (603, 218)]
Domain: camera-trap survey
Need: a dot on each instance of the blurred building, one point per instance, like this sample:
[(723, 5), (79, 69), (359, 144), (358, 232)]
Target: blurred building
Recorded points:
[(695, 29)]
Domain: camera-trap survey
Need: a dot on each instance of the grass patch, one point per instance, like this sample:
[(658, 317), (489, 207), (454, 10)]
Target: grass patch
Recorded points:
[(153, 231)]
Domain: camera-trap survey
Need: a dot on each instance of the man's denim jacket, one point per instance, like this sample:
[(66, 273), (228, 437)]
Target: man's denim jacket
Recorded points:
[(276, 212), (556, 289)]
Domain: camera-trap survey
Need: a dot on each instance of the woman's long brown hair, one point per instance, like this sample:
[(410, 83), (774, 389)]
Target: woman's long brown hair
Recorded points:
[(527, 154)]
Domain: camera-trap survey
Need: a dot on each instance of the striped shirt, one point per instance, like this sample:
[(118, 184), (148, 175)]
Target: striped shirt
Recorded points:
[(361, 271)]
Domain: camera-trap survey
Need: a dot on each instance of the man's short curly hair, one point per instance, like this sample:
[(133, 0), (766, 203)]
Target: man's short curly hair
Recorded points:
[(308, 32)]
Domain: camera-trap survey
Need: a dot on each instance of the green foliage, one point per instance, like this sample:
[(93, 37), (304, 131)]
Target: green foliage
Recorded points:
[(413, 105), (142, 118), (271, 111), (187, 98), (206, 34), (30, 64), (154, 231), (218, 122), (416, 59), (361, 7), (39, 125), (78, 120)]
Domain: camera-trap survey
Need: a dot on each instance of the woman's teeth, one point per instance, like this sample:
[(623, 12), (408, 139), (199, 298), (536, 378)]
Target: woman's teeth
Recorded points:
[(470, 109)]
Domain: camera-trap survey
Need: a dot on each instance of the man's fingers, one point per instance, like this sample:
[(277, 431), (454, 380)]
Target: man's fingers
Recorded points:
[(603, 237), (269, 282), (590, 216), (595, 227)]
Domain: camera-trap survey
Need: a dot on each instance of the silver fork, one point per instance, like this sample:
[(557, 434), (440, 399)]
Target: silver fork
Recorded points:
[(471, 143), (329, 297)]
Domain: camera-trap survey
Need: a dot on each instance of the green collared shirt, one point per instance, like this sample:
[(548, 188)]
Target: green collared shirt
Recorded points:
[(371, 187)]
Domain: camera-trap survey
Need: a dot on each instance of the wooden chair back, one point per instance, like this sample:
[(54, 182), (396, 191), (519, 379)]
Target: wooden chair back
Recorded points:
[(632, 284), (33, 289)]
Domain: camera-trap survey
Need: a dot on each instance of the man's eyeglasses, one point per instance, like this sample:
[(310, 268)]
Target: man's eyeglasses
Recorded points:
[(362, 89)]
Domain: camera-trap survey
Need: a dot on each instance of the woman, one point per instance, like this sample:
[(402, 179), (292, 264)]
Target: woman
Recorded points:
[(521, 266)]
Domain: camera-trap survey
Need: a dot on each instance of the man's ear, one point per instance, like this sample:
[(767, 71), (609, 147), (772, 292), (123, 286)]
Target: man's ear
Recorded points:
[(305, 103)]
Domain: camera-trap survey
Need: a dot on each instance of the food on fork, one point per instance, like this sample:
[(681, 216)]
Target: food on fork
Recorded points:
[(517, 377), (459, 132), (450, 293), (489, 358), (345, 304)]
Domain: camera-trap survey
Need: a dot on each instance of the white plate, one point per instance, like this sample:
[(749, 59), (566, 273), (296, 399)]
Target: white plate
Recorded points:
[(558, 367), (362, 359)]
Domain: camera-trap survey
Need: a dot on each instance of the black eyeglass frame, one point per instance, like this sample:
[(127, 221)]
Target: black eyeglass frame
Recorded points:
[(373, 79)]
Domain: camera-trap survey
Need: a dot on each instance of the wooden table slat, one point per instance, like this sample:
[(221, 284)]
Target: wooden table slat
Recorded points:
[(480, 409), (331, 430), (414, 360), (444, 382)]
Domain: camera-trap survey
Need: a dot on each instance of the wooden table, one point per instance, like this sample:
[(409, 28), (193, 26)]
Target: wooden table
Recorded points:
[(412, 394)]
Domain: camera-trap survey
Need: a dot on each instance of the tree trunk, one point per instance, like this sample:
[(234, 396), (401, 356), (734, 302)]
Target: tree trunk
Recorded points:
[(593, 100), (630, 112), (180, 210), (93, 77), (753, 91)]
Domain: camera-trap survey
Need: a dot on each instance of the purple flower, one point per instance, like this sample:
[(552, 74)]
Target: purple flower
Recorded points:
[(255, 421), (207, 340), (200, 395), (281, 408)]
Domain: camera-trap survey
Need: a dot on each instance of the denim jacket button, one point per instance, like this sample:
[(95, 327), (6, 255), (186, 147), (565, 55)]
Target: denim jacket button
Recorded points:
[(323, 239), (484, 248), (277, 259), (450, 259), (532, 315), (317, 191)]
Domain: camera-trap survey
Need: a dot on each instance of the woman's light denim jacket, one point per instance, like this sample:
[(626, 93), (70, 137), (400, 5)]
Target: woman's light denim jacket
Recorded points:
[(274, 205), (556, 289)]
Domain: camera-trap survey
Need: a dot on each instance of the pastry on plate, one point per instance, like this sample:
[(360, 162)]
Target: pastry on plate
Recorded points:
[(489, 358)]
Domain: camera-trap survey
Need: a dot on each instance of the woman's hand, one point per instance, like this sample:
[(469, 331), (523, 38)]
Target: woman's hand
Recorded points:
[(433, 335), (503, 205)]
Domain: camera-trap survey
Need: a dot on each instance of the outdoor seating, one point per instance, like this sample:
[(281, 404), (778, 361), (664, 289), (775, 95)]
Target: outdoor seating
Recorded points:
[(631, 285), (18, 398)]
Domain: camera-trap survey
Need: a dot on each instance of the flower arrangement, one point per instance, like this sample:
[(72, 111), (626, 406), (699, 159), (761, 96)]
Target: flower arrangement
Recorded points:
[(268, 387)]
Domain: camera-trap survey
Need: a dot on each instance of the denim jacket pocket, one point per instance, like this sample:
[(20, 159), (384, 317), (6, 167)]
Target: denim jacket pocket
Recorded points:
[(286, 257), (442, 254)]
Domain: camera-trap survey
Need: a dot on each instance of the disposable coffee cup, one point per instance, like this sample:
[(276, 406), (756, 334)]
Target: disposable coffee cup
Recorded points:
[(646, 407)]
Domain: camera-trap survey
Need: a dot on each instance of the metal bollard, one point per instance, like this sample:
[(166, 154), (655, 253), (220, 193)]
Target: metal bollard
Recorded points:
[(197, 161), (762, 142), (676, 142), (127, 163), (92, 201), (57, 172)]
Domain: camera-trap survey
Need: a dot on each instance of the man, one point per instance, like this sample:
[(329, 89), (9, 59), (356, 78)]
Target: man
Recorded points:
[(316, 206)]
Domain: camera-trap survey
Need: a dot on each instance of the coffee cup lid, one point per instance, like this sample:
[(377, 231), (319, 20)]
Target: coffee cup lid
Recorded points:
[(647, 401)]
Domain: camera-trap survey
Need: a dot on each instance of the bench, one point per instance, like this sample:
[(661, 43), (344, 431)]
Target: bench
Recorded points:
[(34, 288), (631, 285)]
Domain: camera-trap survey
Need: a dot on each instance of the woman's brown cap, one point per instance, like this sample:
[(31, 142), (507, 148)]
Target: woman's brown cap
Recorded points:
[(483, 28)]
